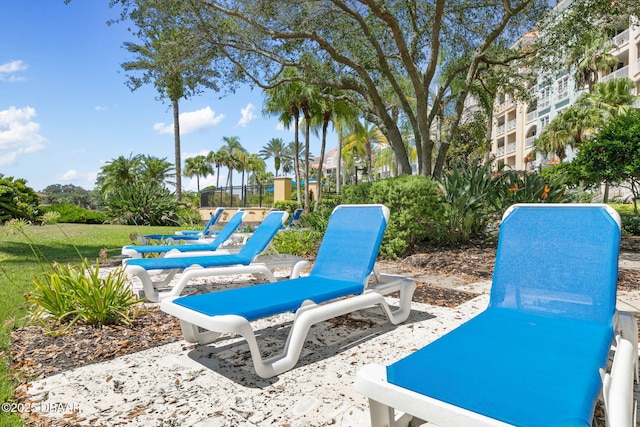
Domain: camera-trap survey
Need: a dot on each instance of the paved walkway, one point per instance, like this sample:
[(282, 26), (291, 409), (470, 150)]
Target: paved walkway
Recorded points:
[(215, 385)]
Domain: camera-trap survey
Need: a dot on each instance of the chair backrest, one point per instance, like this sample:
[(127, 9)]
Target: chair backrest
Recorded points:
[(215, 216), (351, 242), (294, 221), (228, 229), (558, 260), (263, 235)]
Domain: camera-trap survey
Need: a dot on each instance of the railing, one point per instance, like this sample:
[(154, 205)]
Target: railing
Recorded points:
[(621, 39), (529, 141), (531, 116), (618, 74), (544, 103), (511, 124), (500, 129), (238, 195), (511, 147), (501, 150)]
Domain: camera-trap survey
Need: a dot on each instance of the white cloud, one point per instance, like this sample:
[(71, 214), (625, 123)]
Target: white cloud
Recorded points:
[(191, 184), (18, 134), (101, 108), (186, 155), (192, 122), (8, 70), (246, 115), (78, 177)]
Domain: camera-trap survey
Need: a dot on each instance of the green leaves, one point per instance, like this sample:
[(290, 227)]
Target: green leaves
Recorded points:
[(17, 200), (70, 294)]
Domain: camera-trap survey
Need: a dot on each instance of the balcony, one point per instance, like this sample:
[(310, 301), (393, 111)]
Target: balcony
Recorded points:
[(501, 129), (511, 147), (531, 116), (511, 124), (501, 150), (621, 39), (618, 74), (529, 141)]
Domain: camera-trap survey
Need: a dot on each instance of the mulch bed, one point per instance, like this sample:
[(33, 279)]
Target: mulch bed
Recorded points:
[(35, 353)]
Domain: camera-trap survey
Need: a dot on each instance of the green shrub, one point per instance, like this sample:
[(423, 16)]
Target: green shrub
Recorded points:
[(317, 220), (630, 225), (17, 200), (142, 204), (70, 294), (515, 187), (297, 242), (189, 218), (415, 206), (357, 194), (70, 213), (468, 195), (286, 205), (474, 200)]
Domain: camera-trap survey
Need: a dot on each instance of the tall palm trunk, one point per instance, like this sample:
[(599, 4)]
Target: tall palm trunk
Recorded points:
[(176, 137), (296, 159), (325, 125)]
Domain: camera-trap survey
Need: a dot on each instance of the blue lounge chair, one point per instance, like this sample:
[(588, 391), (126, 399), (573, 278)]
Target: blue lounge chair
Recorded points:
[(294, 221), (536, 355), (187, 235), (136, 251), (336, 285), (251, 259)]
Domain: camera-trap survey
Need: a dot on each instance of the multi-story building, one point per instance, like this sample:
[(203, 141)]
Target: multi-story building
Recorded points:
[(516, 125)]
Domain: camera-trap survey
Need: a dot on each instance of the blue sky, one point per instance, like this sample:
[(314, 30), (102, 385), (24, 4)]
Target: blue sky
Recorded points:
[(65, 109)]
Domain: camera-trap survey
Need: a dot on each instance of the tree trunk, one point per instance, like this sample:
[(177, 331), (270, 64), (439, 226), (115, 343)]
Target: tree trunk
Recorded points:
[(307, 127), (296, 160), (323, 146), (339, 166), (176, 137)]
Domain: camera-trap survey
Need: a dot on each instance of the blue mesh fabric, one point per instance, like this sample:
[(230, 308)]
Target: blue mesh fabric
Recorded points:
[(559, 261), (532, 358), (351, 243), (222, 237), (345, 259), (263, 235), (255, 245)]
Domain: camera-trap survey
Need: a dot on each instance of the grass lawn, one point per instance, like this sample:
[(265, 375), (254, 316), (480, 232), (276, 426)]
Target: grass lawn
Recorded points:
[(18, 265)]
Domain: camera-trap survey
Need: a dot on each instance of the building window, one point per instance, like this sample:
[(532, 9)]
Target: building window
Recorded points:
[(544, 122), (544, 97), (563, 88)]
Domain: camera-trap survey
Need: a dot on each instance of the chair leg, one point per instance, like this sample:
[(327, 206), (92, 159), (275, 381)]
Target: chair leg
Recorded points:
[(192, 333), (383, 415)]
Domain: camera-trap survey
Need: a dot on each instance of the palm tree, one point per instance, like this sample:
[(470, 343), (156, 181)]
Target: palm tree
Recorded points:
[(172, 61), (217, 158), (328, 107), (590, 57), (613, 97), (118, 172), (198, 166), (156, 170), (233, 150), (287, 101), (360, 142), (274, 148), (286, 161)]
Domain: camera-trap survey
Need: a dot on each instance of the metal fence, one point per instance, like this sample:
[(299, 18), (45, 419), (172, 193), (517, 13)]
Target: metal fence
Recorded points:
[(238, 196)]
